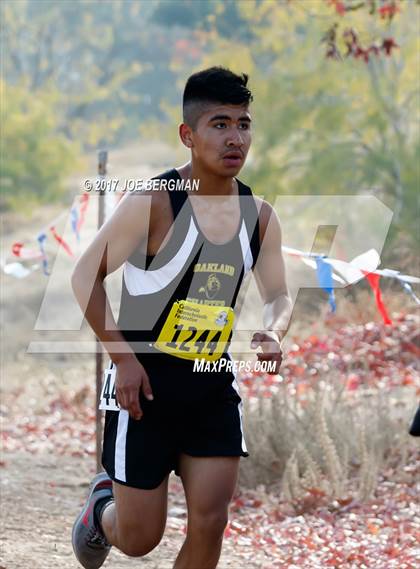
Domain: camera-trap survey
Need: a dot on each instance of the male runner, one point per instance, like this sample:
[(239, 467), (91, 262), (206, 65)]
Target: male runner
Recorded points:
[(184, 259)]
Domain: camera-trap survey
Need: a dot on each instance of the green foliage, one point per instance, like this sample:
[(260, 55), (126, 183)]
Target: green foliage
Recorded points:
[(104, 58), (185, 13), (34, 158), (323, 126), (224, 16)]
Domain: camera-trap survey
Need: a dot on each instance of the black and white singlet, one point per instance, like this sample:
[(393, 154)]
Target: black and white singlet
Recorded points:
[(194, 412), (189, 267)]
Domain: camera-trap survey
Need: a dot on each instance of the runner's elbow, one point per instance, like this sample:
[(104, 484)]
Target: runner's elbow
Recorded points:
[(83, 277)]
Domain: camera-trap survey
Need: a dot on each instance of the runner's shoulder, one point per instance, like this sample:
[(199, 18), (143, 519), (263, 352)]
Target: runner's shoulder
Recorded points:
[(266, 212), (161, 185), (152, 191), (263, 207)]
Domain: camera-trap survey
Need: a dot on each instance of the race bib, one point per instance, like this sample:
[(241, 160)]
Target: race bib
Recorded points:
[(108, 399), (194, 330)]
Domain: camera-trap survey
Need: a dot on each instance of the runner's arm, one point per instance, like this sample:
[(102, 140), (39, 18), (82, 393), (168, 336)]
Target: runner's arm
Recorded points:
[(125, 230), (270, 274)]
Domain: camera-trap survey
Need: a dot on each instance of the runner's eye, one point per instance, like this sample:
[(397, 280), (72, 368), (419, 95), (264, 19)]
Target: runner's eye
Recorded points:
[(244, 126), (220, 124)]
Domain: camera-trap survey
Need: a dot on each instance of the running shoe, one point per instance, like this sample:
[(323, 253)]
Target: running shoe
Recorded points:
[(89, 543)]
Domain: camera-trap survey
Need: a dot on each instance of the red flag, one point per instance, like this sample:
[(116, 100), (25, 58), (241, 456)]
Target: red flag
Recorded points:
[(374, 283), (19, 250), (16, 248), (61, 241), (84, 200)]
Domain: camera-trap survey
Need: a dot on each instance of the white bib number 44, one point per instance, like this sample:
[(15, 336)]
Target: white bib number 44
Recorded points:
[(108, 399)]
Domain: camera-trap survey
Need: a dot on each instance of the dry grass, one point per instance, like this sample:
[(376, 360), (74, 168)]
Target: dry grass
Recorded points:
[(337, 441), (340, 441), (338, 438)]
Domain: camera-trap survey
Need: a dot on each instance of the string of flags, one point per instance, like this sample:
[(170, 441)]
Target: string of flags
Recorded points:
[(327, 269), (362, 266), (24, 253)]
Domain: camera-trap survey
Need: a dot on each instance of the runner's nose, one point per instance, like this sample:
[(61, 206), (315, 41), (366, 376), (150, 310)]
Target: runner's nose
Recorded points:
[(235, 139)]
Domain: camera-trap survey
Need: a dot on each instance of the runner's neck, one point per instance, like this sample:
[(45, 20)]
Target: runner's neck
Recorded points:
[(209, 185)]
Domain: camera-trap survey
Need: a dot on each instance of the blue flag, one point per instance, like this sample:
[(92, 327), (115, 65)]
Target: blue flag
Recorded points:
[(324, 274)]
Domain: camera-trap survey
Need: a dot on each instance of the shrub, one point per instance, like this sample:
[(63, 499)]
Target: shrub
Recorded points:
[(35, 158), (331, 444)]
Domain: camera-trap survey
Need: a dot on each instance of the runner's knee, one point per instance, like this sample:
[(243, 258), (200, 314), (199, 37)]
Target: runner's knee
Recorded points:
[(134, 544), (211, 524), (136, 539)]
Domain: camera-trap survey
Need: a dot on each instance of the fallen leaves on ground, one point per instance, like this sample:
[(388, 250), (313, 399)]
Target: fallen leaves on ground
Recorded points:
[(371, 355), (315, 533)]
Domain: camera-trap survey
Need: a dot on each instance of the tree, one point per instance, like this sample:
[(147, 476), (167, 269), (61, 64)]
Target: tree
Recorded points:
[(330, 126), (34, 158), (104, 58)]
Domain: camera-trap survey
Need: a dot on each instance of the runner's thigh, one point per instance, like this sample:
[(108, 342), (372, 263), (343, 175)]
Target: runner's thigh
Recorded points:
[(209, 483), (142, 512)]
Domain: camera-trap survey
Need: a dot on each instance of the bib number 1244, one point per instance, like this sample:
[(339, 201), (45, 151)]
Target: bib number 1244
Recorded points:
[(194, 330), (206, 339)]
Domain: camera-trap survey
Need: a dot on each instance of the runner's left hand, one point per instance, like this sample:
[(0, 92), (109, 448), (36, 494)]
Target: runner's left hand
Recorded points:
[(271, 350)]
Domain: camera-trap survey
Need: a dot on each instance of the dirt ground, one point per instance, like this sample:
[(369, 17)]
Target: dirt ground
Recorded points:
[(41, 493), (47, 426), (45, 468), (48, 459), (40, 499)]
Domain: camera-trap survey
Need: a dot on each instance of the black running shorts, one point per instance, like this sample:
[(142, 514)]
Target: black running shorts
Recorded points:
[(197, 413)]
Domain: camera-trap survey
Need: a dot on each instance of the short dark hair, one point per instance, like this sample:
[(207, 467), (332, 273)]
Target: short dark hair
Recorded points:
[(213, 85)]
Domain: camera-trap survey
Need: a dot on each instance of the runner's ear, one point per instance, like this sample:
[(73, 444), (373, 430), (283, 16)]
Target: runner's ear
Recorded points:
[(185, 135)]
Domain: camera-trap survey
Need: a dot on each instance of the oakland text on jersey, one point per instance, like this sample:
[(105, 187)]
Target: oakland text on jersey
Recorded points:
[(214, 268)]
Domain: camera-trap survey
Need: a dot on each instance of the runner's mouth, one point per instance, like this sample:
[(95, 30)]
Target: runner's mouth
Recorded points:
[(232, 158)]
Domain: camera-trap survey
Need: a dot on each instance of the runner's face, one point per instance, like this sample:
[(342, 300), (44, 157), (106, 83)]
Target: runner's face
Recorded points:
[(221, 141)]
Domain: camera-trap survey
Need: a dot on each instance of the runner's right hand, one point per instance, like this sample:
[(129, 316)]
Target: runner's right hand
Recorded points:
[(131, 377)]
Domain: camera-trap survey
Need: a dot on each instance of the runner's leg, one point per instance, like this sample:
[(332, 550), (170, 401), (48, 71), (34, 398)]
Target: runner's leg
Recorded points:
[(209, 484), (135, 522)]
